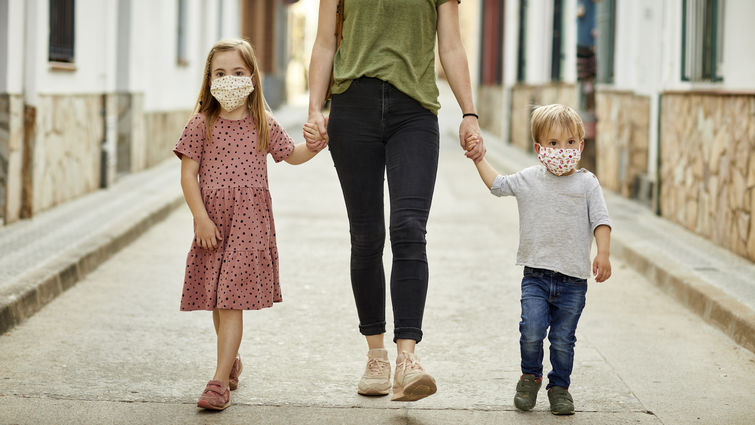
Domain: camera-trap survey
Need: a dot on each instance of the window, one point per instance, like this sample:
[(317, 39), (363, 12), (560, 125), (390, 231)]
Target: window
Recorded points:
[(702, 40), (557, 40), (606, 25), (491, 48), (181, 57), (521, 63), (61, 47)]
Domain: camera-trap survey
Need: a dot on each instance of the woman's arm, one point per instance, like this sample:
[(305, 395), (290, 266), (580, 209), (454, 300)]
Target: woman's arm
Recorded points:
[(454, 61), (300, 154), (321, 63), (206, 231)]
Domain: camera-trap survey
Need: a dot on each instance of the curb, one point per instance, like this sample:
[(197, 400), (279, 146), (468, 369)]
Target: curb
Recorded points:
[(711, 303), (41, 286)]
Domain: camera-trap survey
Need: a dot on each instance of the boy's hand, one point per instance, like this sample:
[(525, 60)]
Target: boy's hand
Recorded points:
[(207, 234), (471, 142), (601, 268), (316, 141)]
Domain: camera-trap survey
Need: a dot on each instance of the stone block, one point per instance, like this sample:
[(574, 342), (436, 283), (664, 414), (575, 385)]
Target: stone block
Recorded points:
[(66, 152)]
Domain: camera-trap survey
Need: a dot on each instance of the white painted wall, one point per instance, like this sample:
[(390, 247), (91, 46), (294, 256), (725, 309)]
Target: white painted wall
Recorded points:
[(510, 42), (569, 36), (539, 36), (95, 28), (14, 62), (110, 57), (739, 35)]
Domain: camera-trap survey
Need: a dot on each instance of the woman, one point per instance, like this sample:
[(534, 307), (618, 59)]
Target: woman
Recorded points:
[(384, 118)]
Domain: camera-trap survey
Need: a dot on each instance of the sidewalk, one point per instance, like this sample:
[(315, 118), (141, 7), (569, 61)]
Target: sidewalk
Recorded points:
[(114, 348), (44, 256)]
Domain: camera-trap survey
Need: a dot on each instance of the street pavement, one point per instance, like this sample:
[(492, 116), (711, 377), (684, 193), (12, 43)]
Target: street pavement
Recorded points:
[(115, 349)]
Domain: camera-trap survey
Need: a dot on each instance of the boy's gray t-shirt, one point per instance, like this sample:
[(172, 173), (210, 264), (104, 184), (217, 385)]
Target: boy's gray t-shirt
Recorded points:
[(557, 217)]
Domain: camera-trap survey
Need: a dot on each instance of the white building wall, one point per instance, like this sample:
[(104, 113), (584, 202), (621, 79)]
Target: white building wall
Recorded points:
[(569, 37), (150, 57), (510, 42), (155, 72), (539, 36), (14, 62), (93, 56), (739, 35)]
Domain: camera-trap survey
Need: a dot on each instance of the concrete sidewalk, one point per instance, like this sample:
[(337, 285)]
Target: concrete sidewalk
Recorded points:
[(42, 257), (115, 349)]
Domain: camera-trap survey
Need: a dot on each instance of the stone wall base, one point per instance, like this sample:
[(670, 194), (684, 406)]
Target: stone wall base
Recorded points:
[(164, 129), (707, 170), (70, 145), (623, 130), (11, 156), (490, 100)]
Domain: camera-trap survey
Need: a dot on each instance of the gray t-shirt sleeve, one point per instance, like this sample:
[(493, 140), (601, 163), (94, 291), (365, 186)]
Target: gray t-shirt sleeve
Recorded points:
[(596, 209), (506, 185)]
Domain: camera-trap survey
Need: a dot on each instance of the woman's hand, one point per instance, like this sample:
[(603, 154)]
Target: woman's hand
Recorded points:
[(207, 234), (470, 130)]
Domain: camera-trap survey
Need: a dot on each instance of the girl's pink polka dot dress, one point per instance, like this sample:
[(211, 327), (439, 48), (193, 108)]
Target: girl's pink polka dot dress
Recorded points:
[(242, 272)]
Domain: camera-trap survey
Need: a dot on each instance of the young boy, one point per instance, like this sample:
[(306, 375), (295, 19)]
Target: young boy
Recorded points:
[(560, 209)]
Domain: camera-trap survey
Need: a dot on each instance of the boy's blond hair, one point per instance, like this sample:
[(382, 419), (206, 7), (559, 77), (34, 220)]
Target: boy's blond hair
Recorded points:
[(546, 116)]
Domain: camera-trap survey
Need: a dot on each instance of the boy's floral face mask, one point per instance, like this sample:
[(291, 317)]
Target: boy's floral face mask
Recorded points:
[(559, 161)]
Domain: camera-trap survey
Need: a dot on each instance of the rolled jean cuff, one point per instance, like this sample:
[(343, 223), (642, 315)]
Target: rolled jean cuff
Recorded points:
[(372, 328), (407, 333)]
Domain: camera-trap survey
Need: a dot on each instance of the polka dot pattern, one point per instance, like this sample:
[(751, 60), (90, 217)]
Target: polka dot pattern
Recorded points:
[(242, 273)]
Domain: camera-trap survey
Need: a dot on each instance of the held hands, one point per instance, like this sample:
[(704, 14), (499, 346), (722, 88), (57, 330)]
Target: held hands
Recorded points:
[(207, 234), (601, 268), (315, 133), (469, 131), (471, 142)]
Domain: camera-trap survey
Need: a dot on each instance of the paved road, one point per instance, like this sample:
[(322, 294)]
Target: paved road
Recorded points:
[(115, 348)]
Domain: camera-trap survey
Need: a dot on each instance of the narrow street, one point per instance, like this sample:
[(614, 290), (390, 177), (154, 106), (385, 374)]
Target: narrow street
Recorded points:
[(115, 348)]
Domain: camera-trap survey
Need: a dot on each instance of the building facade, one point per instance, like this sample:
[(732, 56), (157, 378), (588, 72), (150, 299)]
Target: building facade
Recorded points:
[(667, 92), (94, 89)]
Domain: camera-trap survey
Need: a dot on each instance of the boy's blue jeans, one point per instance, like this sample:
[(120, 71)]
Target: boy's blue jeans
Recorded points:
[(550, 299)]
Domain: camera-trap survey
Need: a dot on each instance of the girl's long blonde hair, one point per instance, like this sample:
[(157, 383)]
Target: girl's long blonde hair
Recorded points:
[(255, 102)]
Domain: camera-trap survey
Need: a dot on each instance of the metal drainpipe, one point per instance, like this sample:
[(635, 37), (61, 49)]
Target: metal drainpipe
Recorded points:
[(657, 185), (29, 96)]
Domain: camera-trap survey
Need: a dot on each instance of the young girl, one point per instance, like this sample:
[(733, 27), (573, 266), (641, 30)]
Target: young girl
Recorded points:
[(233, 261)]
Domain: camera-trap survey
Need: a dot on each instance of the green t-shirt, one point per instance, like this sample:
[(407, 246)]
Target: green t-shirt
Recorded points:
[(393, 40)]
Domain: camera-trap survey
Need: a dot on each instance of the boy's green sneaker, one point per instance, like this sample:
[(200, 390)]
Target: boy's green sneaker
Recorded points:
[(526, 391), (561, 401)]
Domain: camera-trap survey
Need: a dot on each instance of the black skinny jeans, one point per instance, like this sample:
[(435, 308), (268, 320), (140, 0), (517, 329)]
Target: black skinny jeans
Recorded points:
[(375, 128)]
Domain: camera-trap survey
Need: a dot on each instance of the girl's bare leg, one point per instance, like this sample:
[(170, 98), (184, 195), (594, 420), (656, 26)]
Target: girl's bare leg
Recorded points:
[(230, 326)]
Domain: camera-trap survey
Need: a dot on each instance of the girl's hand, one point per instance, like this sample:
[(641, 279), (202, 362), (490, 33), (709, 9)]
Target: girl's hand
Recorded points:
[(207, 234), (316, 133), (601, 268)]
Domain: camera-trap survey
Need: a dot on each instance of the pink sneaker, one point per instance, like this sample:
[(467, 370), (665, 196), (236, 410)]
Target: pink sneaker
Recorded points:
[(233, 381), (216, 396)]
